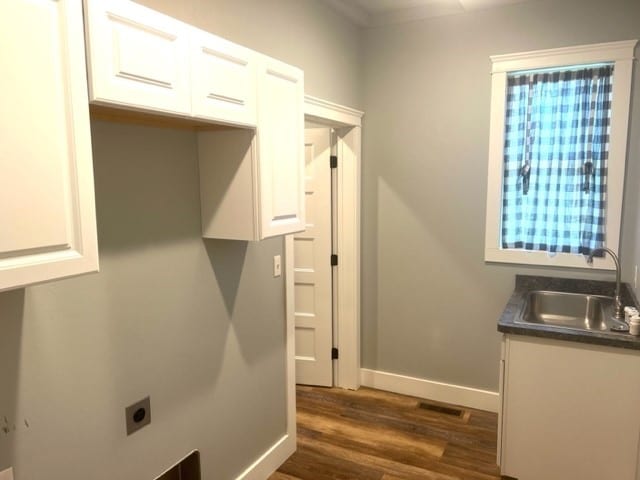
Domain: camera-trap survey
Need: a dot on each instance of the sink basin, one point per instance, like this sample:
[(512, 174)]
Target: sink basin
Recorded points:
[(569, 310)]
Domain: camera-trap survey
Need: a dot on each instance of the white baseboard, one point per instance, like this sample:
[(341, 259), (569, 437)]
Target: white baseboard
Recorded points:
[(428, 389), (271, 460)]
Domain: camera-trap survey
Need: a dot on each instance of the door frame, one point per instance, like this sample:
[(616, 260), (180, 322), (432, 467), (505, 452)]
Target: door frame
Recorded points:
[(347, 122)]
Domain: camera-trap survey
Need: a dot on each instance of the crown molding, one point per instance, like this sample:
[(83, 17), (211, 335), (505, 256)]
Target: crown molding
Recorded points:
[(354, 13), (373, 17), (323, 109)]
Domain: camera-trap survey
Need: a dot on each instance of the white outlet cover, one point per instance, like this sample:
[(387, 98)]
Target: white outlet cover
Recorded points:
[(277, 268), (6, 474)]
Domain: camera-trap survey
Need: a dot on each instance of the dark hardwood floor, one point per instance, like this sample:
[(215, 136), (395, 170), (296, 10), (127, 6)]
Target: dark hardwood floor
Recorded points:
[(370, 434)]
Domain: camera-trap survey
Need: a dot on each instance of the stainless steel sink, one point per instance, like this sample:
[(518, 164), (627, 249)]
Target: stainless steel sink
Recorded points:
[(568, 310)]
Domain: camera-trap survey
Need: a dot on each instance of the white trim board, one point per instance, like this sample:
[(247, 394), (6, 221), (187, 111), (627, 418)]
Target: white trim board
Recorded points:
[(347, 272), (330, 113), (429, 389), (622, 54), (560, 57), (268, 463), (282, 449)]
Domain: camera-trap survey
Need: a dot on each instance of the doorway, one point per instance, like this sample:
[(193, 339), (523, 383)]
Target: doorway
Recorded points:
[(346, 125)]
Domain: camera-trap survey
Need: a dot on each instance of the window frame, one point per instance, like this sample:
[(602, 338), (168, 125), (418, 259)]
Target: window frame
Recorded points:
[(621, 55)]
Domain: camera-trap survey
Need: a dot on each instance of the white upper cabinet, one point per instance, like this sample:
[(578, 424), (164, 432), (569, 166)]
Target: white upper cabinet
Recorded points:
[(47, 208), (138, 58), (143, 60), (223, 80), (251, 178), (281, 147)]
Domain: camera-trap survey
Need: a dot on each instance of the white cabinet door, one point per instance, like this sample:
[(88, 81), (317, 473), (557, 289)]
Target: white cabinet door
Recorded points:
[(138, 58), (281, 147), (223, 80), (47, 212), (570, 411)]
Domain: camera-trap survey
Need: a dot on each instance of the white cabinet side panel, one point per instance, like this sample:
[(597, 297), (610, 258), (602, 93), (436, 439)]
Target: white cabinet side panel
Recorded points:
[(228, 184)]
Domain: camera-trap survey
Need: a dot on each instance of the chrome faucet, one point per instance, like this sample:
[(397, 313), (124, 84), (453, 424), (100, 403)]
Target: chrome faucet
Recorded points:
[(617, 300)]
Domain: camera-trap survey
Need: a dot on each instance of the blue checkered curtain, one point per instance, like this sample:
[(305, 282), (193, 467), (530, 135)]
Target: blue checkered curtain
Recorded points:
[(555, 160)]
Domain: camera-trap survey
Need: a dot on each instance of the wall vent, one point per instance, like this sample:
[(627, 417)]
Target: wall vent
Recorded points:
[(455, 412), (187, 469)]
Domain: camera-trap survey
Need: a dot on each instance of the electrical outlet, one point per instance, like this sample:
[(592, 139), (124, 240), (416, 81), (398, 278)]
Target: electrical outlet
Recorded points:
[(137, 415), (6, 474), (277, 266)]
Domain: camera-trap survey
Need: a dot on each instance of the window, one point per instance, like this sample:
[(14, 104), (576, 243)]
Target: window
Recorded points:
[(555, 159), (557, 152)]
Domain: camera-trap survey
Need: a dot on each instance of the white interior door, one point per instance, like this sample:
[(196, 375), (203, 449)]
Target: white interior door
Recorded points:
[(312, 267)]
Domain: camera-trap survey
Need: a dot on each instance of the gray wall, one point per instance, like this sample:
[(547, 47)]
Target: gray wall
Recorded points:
[(429, 302), (635, 279), (304, 33), (197, 324)]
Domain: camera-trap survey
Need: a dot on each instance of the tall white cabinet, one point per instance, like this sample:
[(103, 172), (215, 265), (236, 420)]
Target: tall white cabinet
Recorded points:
[(47, 208), (252, 182)]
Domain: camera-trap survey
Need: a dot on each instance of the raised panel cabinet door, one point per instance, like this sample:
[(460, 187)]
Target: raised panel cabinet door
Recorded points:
[(281, 147), (138, 58), (223, 80), (47, 211)]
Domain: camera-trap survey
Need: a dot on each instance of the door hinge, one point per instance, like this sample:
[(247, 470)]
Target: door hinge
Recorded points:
[(334, 353), (334, 260), (333, 161)]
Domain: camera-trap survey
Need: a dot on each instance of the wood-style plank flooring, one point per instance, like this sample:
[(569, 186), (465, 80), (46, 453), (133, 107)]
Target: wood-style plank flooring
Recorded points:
[(370, 434)]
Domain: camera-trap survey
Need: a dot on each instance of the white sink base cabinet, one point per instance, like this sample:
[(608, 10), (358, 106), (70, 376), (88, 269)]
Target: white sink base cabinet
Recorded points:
[(569, 410)]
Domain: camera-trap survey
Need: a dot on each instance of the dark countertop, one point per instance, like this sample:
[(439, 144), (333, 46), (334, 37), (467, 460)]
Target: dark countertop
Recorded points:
[(527, 283)]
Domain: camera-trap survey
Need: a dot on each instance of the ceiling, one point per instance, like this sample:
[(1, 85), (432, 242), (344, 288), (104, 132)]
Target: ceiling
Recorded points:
[(370, 13)]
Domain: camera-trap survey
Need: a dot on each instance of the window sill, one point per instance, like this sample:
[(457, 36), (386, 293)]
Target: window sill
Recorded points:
[(543, 259)]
